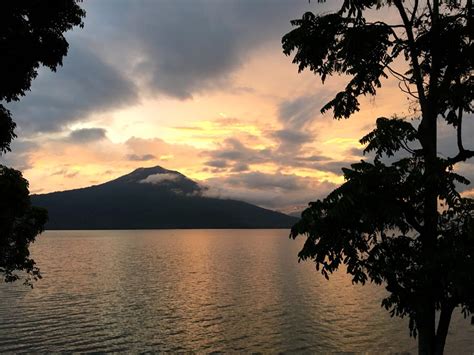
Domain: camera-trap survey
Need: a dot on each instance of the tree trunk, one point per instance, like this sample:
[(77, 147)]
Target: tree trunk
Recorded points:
[(431, 342), (443, 326), (426, 330), (426, 311), (426, 316)]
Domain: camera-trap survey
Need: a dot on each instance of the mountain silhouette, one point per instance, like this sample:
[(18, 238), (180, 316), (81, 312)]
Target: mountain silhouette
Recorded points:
[(152, 198)]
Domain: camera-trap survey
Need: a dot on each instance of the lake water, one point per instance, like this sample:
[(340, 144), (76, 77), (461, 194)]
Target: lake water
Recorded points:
[(200, 290)]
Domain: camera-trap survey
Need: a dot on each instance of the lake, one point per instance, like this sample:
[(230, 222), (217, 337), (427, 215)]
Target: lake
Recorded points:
[(200, 290)]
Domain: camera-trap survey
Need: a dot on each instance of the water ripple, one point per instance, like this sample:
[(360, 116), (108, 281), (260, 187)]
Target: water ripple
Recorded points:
[(204, 291)]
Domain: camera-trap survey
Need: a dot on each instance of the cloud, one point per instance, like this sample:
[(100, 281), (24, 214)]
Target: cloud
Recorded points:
[(297, 115), (175, 155), (20, 156), (237, 168), (447, 140), (181, 48), (258, 180), (233, 154), (312, 158), (142, 157), (65, 173), (85, 85), (155, 50), (293, 137), (128, 49), (72, 174), (159, 178), (192, 47), (53, 162), (276, 191), (356, 152), (217, 163), (86, 135), (469, 193), (299, 112), (466, 169)]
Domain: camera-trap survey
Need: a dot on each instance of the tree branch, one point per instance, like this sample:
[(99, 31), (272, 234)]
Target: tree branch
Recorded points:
[(402, 79), (413, 54), (391, 27), (461, 156), (413, 14), (404, 145), (396, 74), (464, 154), (407, 90), (429, 7), (459, 131), (385, 24), (433, 91), (413, 222)]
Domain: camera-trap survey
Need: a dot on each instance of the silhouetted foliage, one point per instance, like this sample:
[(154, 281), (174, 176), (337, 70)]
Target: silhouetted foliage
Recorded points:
[(7, 130), (19, 225), (402, 224), (31, 35)]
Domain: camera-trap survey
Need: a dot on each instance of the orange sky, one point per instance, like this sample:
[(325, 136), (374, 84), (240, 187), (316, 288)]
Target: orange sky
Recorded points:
[(235, 128)]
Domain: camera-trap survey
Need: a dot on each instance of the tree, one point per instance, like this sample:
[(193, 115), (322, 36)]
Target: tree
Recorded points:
[(401, 224), (19, 225), (31, 35)]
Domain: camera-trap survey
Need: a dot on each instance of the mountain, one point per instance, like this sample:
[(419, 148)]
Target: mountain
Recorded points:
[(152, 198)]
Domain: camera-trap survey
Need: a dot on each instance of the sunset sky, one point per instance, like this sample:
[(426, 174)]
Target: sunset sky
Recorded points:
[(201, 87)]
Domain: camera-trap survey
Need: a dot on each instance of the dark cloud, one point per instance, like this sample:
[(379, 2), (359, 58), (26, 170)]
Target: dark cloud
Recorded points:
[(188, 128), (292, 137), (179, 48), (447, 139), (281, 191), (297, 113), (19, 157), (234, 154), (217, 163), (176, 48), (71, 174), (334, 167), (258, 180), (59, 172), (86, 135), (312, 158), (296, 116), (85, 84), (66, 173), (234, 150), (142, 157), (358, 152), (237, 168)]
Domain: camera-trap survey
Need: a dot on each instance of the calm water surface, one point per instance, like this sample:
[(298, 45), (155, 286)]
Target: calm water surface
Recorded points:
[(202, 290)]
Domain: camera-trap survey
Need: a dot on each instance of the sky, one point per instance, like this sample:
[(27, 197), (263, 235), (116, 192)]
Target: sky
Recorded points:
[(201, 87)]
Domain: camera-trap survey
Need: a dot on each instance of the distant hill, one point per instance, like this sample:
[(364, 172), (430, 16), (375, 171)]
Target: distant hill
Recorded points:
[(152, 198)]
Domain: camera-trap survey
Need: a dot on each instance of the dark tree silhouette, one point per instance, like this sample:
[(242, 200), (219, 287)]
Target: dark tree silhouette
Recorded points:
[(402, 224), (19, 225), (31, 35)]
